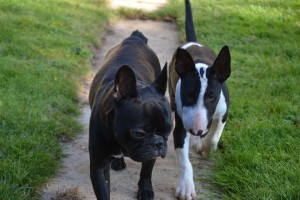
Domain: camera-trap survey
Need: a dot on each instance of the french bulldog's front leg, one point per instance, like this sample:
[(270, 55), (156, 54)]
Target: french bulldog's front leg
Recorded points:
[(145, 191), (101, 180), (185, 189)]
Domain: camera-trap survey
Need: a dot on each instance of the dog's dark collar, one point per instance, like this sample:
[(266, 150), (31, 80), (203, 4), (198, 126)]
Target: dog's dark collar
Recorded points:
[(203, 135)]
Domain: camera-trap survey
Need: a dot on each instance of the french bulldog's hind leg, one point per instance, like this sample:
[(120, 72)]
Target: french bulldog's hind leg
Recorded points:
[(145, 191), (118, 164)]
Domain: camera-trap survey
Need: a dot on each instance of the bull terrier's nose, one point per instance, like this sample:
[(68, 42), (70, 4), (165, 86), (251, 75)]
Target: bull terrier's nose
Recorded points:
[(194, 133), (191, 131), (199, 132)]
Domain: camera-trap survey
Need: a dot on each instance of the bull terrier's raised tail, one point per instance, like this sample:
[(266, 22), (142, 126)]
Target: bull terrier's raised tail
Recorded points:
[(190, 33)]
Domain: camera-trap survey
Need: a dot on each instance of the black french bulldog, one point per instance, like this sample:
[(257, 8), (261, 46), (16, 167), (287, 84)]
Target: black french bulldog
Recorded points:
[(130, 114)]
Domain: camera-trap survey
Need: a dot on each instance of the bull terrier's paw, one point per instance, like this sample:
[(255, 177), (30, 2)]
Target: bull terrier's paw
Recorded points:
[(185, 190), (202, 149), (200, 146)]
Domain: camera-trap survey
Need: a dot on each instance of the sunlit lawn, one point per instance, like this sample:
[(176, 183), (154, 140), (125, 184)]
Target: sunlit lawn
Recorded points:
[(43, 52)]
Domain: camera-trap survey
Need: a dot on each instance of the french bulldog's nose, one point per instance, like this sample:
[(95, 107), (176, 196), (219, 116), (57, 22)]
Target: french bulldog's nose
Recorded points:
[(159, 145)]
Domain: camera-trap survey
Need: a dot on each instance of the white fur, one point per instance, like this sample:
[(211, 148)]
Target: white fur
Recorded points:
[(118, 155), (185, 188), (187, 45)]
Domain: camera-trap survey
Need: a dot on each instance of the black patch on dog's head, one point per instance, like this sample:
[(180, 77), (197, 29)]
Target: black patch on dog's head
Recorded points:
[(190, 83), (212, 93), (201, 72)]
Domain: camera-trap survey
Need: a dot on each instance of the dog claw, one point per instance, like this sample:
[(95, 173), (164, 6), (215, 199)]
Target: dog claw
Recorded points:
[(202, 152), (188, 197), (144, 194), (185, 193), (202, 149)]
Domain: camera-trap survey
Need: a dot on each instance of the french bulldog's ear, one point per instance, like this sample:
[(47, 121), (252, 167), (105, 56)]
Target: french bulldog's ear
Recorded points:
[(125, 83), (221, 66), (184, 62), (110, 115), (160, 84)]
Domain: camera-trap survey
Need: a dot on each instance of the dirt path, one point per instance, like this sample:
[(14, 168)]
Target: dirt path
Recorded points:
[(74, 174)]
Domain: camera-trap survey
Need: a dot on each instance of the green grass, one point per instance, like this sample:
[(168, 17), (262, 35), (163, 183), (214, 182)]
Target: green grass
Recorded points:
[(262, 137), (43, 53)]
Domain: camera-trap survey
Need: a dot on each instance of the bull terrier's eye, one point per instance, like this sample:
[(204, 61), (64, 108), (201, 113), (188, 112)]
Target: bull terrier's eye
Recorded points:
[(138, 134), (209, 97)]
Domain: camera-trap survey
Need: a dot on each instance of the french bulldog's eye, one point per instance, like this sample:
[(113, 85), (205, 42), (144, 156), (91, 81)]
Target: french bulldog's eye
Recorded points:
[(138, 134), (148, 129)]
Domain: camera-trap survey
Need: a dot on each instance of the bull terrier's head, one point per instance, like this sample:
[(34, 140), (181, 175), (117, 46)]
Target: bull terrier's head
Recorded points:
[(199, 97)]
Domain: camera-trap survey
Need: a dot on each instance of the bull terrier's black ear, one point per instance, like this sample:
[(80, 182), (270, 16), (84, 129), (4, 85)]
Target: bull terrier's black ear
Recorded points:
[(184, 62), (160, 84), (221, 66), (125, 83)]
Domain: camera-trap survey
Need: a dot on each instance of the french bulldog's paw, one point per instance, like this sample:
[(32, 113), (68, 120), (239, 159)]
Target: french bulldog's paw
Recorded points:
[(185, 190), (118, 164), (145, 194)]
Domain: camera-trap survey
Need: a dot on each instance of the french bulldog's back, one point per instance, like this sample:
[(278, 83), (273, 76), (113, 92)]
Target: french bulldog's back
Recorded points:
[(132, 48)]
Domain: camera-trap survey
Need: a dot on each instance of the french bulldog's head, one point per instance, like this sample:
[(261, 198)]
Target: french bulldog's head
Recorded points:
[(142, 115)]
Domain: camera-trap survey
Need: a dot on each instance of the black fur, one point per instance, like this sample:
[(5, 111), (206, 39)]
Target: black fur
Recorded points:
[(130, 114)]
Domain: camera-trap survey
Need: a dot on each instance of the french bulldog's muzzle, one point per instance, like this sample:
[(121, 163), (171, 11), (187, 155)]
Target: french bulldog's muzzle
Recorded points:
[(156, 146)]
